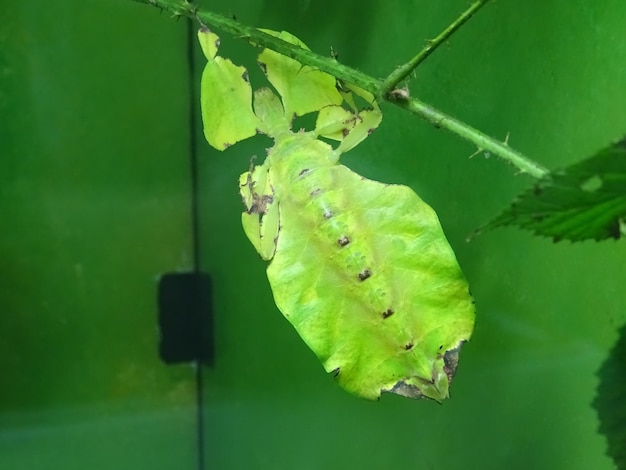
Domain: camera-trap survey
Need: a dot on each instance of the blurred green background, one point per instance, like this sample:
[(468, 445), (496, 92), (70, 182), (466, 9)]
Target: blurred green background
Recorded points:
[(95, 205)]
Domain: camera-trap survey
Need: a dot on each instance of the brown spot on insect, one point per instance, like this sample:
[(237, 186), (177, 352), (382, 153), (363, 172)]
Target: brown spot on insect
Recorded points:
[(387, 313), (315, 192), (451, 361), (260, 203), (343, 241), (364, 274), (405, 389), (304, 172), (408, 346)]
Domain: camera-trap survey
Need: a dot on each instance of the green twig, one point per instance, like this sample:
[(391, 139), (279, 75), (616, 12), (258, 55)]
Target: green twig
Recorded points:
[(482, 141), (259, 38), (399, 74), (350, 75)]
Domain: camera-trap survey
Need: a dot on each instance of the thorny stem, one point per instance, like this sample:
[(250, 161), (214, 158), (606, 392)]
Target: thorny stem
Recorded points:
[(350, 75), (399, 74), (482, 141)]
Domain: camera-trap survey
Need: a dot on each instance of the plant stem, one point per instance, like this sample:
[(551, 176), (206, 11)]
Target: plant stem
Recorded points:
[(399, 74), (259, 38), (482, 141), (350, 75)]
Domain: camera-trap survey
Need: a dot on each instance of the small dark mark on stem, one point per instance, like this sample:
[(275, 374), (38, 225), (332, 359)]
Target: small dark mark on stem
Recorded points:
[(328, 214), (408, 346), (336, 371), (343, 241), (263, 67), (315, 192), (245, 76), (304, 172), (388, 313), (364, 274)]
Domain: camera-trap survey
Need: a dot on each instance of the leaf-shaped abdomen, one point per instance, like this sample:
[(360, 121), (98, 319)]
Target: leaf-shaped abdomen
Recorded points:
[(364, 273)]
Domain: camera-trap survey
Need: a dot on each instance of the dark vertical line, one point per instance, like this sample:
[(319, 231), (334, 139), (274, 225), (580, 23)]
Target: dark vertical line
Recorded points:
[(195, 224), (193, 146)]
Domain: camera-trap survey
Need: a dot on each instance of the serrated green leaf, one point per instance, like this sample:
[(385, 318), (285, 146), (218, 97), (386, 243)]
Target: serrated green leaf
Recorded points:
[(609, 401), (226, 97), (586, 200), (303, 89)]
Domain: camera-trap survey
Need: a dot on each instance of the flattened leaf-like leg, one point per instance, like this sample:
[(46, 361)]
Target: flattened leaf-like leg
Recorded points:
[(261, 219), (350, 127), (226, 97), (303, 88), (270, 112)]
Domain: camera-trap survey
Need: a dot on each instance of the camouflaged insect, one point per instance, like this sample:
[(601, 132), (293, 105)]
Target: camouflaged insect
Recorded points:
[(361, 269)]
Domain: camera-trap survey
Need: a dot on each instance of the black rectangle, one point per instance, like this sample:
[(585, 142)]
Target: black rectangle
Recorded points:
[(185, 318)]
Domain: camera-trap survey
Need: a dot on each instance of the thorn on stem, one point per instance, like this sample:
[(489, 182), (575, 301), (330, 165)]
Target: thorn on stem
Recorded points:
[(480, 149)]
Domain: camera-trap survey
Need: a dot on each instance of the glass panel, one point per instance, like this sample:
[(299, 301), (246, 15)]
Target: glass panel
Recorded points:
[(94, 207)]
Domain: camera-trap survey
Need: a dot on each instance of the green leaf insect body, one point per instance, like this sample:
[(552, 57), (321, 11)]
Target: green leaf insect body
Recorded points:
[(361, 269)]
